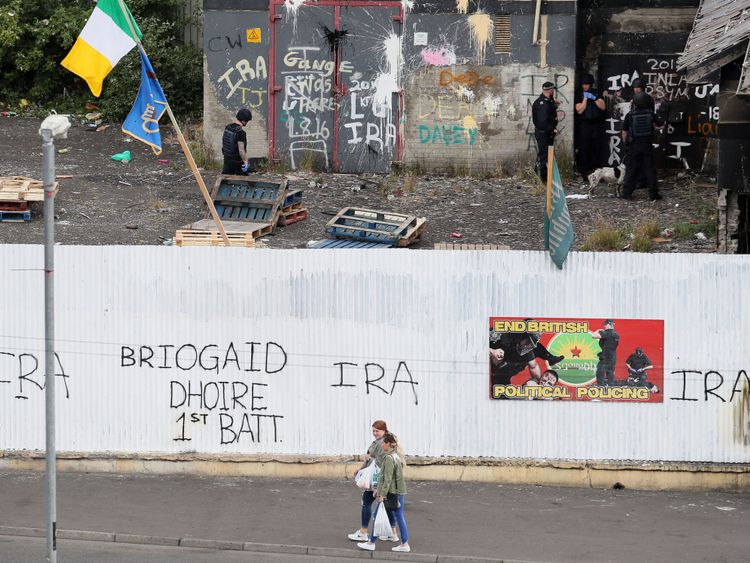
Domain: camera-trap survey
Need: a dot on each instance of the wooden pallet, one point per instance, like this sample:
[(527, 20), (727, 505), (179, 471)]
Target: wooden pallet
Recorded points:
[(249, 198), (237, 228), (20, 188), (465, 246), (369, 225), (348, 244), (211, 238), (292, 216), (15, 216), (292, 207), (292, 197), (413, 233), (14, 205)]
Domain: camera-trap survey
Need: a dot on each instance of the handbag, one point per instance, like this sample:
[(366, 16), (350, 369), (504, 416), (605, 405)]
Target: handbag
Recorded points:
[(391, 501)]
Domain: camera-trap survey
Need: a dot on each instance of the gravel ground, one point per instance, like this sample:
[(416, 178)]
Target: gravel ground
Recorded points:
[(146, 200)]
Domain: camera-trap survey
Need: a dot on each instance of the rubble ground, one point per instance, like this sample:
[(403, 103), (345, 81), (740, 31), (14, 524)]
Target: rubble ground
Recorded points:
[(104, 202)]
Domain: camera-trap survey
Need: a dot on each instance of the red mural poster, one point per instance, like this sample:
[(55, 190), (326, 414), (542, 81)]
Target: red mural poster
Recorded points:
[(577, 359)]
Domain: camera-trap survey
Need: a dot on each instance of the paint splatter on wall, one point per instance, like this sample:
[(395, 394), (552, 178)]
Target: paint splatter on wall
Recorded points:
[(481, 28), (438, 56), (291, 7), (462, 6)]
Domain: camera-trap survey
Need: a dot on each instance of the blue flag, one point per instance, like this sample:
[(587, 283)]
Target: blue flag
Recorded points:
[(558, 229), (142, 122)]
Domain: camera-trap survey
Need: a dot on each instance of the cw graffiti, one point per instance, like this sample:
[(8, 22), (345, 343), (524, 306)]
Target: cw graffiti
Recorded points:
[(468, 78), (450, 135)]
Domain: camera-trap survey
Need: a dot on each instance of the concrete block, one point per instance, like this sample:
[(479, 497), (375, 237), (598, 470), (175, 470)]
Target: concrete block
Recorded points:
[(85, 535), (148, 540), (19, 531), (387, 555), (339, 552), (211, 544), (274, 548)]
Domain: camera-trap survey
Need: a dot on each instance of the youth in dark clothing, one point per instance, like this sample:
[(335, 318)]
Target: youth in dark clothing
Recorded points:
[(234, 145), (638, 131), (608, 342), (544, 116), (590, 127)]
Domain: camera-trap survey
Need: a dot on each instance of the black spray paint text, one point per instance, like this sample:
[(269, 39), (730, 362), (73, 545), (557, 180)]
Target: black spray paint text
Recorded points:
[(25, 371), (703, 386), (374, 374), (253, 357)]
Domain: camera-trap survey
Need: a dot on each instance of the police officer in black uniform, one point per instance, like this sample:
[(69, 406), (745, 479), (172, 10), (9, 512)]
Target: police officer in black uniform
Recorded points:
[(608, 341), (590, 127), (638, 135), (638, 87), (544, 115), (638, 363), (511, 352), (234, 144)]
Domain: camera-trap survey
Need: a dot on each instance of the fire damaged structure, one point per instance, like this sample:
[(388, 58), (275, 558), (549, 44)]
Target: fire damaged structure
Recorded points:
[(718, 52)]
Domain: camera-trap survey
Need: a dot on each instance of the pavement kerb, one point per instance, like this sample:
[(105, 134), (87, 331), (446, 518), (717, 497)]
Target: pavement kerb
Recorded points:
[(85, 535)]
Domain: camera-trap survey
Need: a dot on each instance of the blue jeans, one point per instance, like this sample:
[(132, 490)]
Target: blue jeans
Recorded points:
[(367, 499), (398, 515)]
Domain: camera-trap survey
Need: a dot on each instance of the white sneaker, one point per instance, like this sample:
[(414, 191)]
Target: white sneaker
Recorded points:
[(403, 548), (358, 536), (392, 537), (367, 546)]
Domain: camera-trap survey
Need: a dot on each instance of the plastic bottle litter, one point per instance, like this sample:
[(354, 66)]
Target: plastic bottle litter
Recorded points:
[(122, 156)]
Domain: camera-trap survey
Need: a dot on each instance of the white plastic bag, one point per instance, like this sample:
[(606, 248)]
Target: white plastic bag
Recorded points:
[(382, 526), (364, 476)]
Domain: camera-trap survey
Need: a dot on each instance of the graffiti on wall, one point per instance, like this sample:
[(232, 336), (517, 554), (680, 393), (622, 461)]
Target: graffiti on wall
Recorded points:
[(691, 112), (229, 390), (22, 375)]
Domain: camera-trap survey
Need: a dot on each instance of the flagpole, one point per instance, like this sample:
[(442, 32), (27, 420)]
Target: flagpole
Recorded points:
[(550, 161), (183, 143)]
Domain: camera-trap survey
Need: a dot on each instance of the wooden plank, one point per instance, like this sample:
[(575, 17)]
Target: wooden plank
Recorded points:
[(465, 246), (414, 233)]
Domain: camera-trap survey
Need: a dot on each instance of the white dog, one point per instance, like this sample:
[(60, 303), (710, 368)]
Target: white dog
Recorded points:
[(611, 175)]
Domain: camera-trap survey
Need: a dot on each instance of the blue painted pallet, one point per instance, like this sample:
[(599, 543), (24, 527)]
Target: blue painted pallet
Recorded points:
[(249, 198), (292, 197), (343, 243), (15, 216), (369, 225)]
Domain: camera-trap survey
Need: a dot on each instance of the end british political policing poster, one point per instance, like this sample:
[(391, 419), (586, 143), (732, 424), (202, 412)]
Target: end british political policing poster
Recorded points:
[(577, 359)]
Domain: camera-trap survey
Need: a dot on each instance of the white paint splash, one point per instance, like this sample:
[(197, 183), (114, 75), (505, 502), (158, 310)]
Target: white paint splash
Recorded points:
[(462, 6), (465, 94), (492, 105), (407, 5), (291, 7), (387, 81), (511, 113), (481, 27)]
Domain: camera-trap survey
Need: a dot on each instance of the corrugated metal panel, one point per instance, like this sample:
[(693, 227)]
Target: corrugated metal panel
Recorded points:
[(343, 318)]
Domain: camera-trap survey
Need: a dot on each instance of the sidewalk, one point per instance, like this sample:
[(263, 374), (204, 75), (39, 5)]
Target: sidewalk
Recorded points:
[(464, 519)]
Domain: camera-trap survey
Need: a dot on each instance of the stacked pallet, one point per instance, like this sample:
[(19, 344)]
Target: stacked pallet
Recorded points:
[(249, 207), (15, 194), (384, 228)]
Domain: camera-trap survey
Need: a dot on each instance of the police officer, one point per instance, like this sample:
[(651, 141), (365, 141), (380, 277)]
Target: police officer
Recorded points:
[(638, 363), (544, 115), (590, 121), (638, 87), (608, 341), (638, 134), (234, 144)]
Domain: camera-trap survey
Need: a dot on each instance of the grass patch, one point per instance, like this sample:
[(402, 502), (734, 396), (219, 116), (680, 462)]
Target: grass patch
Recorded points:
[(202, 153), (641, 243), (528, 176), (603, 238)]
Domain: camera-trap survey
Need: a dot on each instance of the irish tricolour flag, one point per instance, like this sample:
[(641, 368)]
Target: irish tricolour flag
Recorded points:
[(106, 38)]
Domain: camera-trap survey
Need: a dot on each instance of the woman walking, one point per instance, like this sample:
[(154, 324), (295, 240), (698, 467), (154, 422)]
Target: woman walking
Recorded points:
[(391, 490), (376, 452)]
